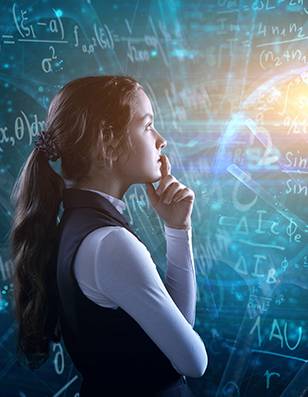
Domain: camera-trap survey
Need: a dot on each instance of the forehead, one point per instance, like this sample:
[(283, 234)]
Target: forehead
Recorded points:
[(142, 105)]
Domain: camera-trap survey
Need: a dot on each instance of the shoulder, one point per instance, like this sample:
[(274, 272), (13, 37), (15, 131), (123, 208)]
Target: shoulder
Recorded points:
[(115, 238), (124, 248), (116, 233), (122, 240), (101, 232)]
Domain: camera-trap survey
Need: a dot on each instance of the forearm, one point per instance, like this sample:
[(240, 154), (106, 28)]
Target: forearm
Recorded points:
[(180, 278)]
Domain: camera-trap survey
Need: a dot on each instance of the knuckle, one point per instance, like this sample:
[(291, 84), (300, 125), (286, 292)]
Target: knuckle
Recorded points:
[(190, 191), (174, 184), (170, 186)]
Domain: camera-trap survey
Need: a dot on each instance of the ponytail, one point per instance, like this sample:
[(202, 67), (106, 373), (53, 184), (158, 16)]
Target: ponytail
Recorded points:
[(83, 118), (36, 196)]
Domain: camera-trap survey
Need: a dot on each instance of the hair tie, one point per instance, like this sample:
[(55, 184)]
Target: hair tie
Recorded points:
[(46, 144)]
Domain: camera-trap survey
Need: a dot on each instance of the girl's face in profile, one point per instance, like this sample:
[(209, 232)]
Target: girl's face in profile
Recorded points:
[(142, 163)]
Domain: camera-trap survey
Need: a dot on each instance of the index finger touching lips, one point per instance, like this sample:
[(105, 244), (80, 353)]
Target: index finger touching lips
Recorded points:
[(165, 165)]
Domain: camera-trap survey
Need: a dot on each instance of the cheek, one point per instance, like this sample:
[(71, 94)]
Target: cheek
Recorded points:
[(143, 151), (138, 159)]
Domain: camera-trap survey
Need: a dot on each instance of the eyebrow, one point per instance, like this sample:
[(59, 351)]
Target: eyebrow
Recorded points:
[(145, 116)]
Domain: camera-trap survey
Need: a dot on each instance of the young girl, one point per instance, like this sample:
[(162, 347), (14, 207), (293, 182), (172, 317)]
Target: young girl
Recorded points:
[(89, 279)]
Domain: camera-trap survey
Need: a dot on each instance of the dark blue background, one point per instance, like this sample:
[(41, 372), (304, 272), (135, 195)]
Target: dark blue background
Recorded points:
[(228, 83)]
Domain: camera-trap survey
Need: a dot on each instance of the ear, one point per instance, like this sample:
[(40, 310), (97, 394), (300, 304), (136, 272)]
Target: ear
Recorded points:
[(111, 156), (105, 149), (112, 152)]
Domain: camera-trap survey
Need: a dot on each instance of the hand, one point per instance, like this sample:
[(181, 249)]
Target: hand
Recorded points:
[(172, 200)]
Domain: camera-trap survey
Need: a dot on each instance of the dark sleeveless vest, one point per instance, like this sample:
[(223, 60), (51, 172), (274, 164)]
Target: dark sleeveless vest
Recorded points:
[(107, 346)]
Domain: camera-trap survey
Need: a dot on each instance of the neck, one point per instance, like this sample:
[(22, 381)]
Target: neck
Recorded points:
[(112, 190)]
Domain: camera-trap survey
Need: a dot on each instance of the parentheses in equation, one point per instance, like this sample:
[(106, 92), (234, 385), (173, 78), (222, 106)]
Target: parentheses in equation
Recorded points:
[(15, 20), (60, 23), (269, 58), (97, 36), (111, 42), (28, 126), (261, 59), (103, 43)]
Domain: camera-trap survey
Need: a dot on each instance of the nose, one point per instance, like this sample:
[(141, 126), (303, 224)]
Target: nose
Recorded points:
[(162, 141)]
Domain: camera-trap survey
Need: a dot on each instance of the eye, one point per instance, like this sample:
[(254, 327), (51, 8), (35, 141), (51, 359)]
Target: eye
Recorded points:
[(149, 125)]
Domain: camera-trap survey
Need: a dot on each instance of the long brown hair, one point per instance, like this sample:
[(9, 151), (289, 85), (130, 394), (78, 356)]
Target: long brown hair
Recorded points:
[(88, 120)]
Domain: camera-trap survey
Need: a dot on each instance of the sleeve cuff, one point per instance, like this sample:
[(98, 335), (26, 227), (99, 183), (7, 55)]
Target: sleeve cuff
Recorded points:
[(173, 232)]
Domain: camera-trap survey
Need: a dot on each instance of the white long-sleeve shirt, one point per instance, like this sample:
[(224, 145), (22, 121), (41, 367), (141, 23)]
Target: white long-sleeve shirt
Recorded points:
[(113, 268)]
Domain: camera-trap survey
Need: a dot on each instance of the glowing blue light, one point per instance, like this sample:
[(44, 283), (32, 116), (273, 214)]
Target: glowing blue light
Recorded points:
[(3, 305), (216, 206), (59, 13), (180, 53)]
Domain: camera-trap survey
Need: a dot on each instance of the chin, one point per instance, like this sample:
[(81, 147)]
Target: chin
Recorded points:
[(153, 178), (156, 179), (152, 175)]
